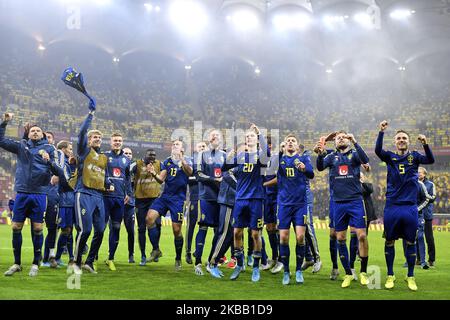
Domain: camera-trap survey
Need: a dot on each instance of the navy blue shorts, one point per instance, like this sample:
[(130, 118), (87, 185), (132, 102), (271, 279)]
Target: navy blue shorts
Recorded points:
[(349, 213), (89, 211), (29, 205), (174, 206), (66, 216), (270, 209), (248, 213), (114, 209), (51, 213), (331, 214), (297, 215), (401, 221), (209, 213)]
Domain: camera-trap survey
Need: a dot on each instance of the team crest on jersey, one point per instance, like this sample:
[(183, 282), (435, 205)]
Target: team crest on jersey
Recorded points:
[(110, 159), (124, 160), (343, 170), (410, 159), (296, 161), (350, 156), (116, 172)]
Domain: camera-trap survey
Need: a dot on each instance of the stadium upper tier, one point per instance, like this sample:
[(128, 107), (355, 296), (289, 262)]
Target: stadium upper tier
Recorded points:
[(148, 108)]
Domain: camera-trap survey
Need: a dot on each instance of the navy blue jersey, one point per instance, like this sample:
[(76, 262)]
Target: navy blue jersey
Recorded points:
[(119, 174), (249, 173), (193, 189), (344, 172), (402, 174), (309, 193), (249, 176), (208, 166), (175, 185), (193, 183), (66, 193), (271, 173), (291, 181)]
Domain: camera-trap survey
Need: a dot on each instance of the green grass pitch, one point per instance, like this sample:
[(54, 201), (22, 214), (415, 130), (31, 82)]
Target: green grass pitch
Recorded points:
[(160, 280)]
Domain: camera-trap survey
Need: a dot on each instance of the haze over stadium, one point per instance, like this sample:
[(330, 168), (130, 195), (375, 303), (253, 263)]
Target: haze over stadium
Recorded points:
[(161, 70)]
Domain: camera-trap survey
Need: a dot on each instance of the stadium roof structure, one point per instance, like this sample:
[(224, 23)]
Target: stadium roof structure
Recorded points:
[(121, 28)]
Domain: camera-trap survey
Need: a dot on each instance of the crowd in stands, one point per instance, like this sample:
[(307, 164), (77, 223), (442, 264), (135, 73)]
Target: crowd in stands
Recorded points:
[(149, 107)]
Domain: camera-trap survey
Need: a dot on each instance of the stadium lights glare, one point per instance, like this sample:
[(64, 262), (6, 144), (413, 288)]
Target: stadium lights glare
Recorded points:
[(401, 68), (41, 47), (102, 2), (364, 20), (257, 70), (148, 7), (244, 20), (329, 70), (116, 60), (401, 14), (188, 67), (284, 22), (332, 21), (151, 8), (188, 16)]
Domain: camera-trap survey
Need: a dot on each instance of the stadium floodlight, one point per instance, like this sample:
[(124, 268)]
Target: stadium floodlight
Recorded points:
[(102, 2), (116, 60), (332, 21), (188, 67), (257, 70), (364, 20), (329, 70), (148, 7), (401, 14), (244, 20), (401, 68), (41, 47), (188, 16), (285, 22)]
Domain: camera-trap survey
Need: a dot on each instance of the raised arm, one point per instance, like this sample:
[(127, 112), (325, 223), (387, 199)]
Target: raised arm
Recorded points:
[(383, 155), (186, 166), (82, 135), (8, 144), (428, 158)]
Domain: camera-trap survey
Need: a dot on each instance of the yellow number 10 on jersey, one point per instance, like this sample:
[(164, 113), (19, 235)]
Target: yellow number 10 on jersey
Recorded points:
[(290, 172)]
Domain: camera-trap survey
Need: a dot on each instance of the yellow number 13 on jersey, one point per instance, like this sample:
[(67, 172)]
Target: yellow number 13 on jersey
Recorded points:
[(173, 172)]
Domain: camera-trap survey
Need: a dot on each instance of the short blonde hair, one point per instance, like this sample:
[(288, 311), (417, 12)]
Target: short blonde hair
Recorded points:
[(92, 132)]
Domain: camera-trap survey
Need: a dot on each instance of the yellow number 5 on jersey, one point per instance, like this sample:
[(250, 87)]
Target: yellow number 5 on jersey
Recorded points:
[(401, 168)]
